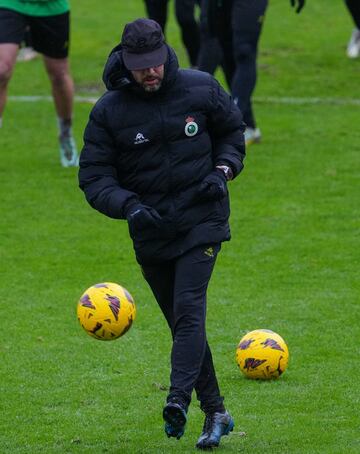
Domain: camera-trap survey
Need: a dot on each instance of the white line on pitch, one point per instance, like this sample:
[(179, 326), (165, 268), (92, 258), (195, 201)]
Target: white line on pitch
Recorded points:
[(83, 99), (258, 99), (291, 100)]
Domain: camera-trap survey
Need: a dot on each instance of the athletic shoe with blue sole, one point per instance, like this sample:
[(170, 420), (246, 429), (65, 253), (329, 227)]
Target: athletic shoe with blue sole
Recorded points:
[(175, 419), (215, 426)]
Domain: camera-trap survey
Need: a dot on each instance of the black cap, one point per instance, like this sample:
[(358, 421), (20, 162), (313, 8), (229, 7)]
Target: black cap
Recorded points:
[(143, 45)]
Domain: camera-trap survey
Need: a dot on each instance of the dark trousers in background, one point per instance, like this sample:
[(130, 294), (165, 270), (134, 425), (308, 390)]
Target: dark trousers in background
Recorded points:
[(211, 54), (247, 21), (157, 10), (240, 44), (354, 8), (180, 287), (185, 16), (237, 25)]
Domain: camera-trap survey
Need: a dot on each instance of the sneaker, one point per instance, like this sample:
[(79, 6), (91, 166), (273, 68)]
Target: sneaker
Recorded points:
[(252, 135), (215, 426), (26, 54), (68, 152), (175, 419), (353, 48)]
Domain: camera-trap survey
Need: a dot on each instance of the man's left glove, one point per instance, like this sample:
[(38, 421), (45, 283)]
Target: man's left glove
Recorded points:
[(141, 216), (213, 186), (298, 3)]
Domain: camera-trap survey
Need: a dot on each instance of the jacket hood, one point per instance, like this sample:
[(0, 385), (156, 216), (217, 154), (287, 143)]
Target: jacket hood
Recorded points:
[(116, 76)]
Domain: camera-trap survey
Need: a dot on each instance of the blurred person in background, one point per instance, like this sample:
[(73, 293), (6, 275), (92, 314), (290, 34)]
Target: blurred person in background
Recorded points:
[(237, 25), (353, 47), (185, 15), (48, 22)]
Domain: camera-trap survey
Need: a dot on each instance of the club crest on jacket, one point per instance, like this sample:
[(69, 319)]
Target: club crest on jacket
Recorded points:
[(191, 127)]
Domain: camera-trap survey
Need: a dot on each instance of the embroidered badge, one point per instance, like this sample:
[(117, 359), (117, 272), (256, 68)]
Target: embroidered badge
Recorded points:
[(191, 127)]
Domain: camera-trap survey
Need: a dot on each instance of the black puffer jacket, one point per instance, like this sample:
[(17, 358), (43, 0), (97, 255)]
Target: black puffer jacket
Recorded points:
[(135, 147)]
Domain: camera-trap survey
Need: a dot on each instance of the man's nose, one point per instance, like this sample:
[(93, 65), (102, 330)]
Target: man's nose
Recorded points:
[(150, 71)]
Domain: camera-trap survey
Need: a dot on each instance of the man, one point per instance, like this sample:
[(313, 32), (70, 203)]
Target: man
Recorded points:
[(353, 47), (185, 15), (159, 148), (237, 25), (48, 23)]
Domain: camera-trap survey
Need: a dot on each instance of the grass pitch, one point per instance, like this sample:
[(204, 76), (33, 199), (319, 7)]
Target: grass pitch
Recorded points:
[(292, 265)]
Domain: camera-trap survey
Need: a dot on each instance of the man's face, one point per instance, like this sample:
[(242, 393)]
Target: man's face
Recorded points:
[(150, 78)]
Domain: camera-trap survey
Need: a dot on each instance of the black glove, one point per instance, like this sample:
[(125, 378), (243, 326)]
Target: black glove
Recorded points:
[(213, 187), (300, 4), (141, 216)]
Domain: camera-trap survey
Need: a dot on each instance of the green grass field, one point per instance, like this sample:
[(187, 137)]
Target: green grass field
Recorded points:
[(292, 265)]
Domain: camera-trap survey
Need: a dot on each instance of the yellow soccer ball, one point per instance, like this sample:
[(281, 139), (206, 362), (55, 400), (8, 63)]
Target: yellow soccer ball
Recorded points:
[(262, 354), (106, 311)]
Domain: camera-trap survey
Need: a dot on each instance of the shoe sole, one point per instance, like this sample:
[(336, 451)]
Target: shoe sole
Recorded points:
[(174, 416), (252, 141)]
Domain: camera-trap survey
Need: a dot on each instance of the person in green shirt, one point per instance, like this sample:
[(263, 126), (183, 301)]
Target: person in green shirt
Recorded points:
[(49, 24)]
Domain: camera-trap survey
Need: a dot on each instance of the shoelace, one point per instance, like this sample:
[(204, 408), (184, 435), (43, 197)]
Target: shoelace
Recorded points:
[(208, 423)]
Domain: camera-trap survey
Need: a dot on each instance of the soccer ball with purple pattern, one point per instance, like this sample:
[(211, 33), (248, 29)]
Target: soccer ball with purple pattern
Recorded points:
[(106, 311), (262, 354)]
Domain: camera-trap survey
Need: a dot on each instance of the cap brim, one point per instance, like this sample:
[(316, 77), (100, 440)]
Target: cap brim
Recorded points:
[(151, 59)]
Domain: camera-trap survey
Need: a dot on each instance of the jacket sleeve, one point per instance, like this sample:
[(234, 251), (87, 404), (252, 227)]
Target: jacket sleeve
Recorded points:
[(226, 129), (97, 174)]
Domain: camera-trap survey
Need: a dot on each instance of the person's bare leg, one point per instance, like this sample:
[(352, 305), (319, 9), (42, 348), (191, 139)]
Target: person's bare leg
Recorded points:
[(8, 54), (62, 85), (63, 94)]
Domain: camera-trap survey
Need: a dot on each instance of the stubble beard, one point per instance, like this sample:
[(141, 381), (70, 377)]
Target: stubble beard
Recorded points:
[(152, 89)]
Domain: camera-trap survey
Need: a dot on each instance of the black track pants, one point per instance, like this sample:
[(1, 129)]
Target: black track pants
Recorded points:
[(179, 287), (157, 11), (354, 9), (185, 16), (247, 22), (190, 29), (238, 27), (211, 54)]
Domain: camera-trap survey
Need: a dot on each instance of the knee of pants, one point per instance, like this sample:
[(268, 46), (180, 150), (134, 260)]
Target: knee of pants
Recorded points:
[(189, 327), (244, 52), (189, 319)]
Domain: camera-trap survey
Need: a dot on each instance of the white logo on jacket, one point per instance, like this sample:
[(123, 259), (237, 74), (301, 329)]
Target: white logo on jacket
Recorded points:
[(140, 139)]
